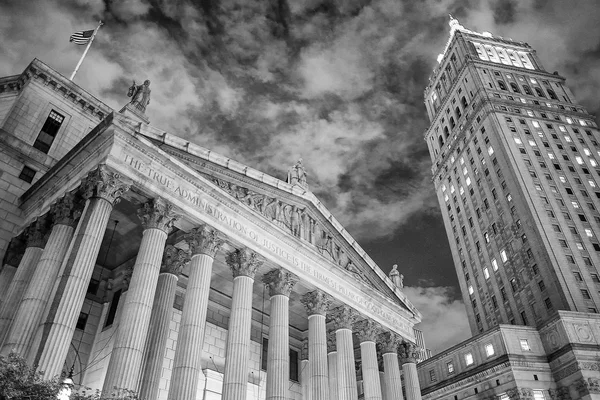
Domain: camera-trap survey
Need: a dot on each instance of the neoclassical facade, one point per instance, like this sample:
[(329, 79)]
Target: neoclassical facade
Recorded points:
[(138, 260)]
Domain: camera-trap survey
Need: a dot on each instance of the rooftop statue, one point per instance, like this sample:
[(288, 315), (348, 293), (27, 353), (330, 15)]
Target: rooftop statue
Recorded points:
[(140, 95), (396, 277), (297, 175)]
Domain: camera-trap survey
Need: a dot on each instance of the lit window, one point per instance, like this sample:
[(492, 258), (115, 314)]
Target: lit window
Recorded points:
[(568, 138), (569, 120), (465, 171), (469, 359), (579, 160), (490, 150), (462, 161), (461, 190), (551, 156), (495, 264), (518, 140), (589, 232), (452, 159), (536, 124), (443, 188), (486, 273), (562, 179), (530, 113), (489, 349), (593, 162), (579, 245), (452, 189), (582, 122), (524, 345), (468, 180), (509, 197), (503, 255), (562, 128), (446, 197), (471, 289), (532, 143), (538, 395), (575, 204), (533, 80)]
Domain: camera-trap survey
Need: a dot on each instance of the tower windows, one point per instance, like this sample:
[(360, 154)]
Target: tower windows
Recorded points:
[(527, 90), (514, 87), (552, 94), (539, 92), (502, 85)]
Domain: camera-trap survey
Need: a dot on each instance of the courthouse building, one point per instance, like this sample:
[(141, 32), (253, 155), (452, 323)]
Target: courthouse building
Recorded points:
[(515, 168), (137, 260)]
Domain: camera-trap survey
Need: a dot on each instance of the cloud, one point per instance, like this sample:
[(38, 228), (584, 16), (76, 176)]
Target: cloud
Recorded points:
[(444, 321)]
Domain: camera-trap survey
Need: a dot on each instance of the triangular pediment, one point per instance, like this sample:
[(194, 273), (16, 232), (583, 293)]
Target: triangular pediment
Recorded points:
[(293, 209)]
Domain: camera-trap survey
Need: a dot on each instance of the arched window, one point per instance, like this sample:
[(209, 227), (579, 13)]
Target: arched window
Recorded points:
[(502, 85), (539, 92), (452, 123), (441, 141), (515, 87), (527, 90), (552, 94), (446, 133), (464, 102), (458, 114)]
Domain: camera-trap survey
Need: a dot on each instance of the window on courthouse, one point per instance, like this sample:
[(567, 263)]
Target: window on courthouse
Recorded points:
[(49, 131)]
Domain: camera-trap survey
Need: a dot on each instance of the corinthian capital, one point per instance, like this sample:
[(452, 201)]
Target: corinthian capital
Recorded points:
[(389, 342), (173, 260), (203, 240), (279, 281), (316, 302), (367, 330), (15, 251), (37, 233), (343, 317), (157, 214), (66, 210), (243, 263), (104, 184), (408, 353)]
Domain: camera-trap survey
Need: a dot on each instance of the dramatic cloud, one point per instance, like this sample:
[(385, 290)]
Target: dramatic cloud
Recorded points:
[(338, 83)]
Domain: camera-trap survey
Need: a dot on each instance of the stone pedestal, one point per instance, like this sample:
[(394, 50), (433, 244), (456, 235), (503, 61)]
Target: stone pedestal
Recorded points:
[(36, 240), (343, 318), (243, 264), (31, 309), (367, 333), (128, 351), (317, 303), (280, 285), (102, 189), (160, 319), (204, 244)]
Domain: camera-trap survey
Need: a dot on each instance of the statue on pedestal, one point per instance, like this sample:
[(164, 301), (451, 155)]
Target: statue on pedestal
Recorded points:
[(297, 175), (140, 95), (396, 277)]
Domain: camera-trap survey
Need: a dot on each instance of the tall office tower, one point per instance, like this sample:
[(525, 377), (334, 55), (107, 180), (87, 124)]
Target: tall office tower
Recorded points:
[(515, 167)]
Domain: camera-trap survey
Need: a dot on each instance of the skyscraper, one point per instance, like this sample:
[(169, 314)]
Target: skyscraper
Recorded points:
[(515, 168)]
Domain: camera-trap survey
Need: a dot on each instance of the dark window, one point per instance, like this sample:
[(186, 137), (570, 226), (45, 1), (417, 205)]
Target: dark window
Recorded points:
[(112, 311), (527, 90), (552, 94), (524, 317), (539, 92), (49, 131), (502, 85), (27, 174), (514, 87), (81, 321), (93, 286), (265, 354)]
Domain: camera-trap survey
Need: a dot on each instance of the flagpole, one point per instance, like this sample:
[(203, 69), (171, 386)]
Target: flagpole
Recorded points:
[(86, 50)]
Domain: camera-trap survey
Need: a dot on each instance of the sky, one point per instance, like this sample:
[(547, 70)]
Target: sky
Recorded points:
[(338, 82)]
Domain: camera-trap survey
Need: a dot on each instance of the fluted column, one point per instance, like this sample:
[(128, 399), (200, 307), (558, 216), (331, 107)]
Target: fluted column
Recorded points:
[(37, 235), (367, 331), (162, 310), (280, 285), (243, 264), (13, 257), (317, 303), (123, 370), (343, 318), (408, 355), (305, 370), (31, 309), (102, 190), (332, 366), (204, 244), (389, 343)]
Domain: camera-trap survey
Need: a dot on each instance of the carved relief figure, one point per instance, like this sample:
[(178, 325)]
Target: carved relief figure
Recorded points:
[(140, 95)]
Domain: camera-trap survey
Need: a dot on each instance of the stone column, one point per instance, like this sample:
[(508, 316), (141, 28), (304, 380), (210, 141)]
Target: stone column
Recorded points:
[(102, 190), (37, 235), (384, 390), (12, 259), (343, 318), (31, 309), (389, 342), (305, 370), (408, 355), (280, 285), (204, 244), (123, 370), (367, 331), (160, 319), (317, 303), (243, 264), (332, 366)]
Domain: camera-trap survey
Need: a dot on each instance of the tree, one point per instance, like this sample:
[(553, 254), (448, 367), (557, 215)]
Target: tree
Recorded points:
[(19, 381)]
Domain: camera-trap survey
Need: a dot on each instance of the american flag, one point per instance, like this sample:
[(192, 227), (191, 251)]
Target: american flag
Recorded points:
[(81, 37)]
